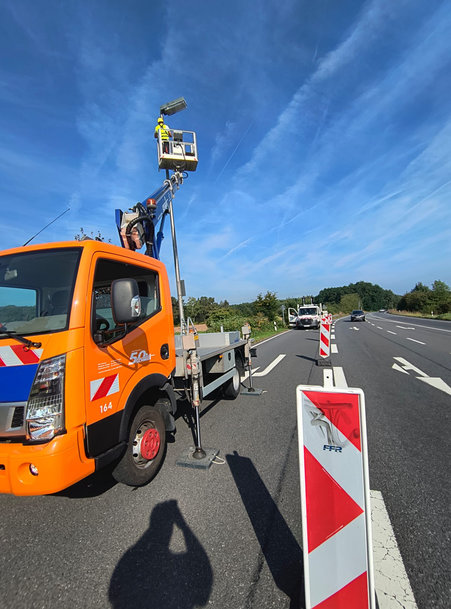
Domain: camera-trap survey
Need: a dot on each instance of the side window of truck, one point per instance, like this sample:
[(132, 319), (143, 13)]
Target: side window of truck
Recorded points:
[(102, 315)]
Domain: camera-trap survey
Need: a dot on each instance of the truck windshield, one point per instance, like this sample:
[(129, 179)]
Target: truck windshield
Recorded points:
[(307, 311), (36, 290)]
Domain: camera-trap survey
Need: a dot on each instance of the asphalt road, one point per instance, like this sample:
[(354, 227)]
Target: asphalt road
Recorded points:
[(231, 536), (404, 367)]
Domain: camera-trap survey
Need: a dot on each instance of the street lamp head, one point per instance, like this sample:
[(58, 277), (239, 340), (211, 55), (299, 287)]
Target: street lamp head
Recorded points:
[(174, 106)]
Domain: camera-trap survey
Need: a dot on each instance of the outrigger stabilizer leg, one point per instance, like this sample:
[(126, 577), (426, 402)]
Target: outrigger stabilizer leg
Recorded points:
[(196, 457), (251, 390)]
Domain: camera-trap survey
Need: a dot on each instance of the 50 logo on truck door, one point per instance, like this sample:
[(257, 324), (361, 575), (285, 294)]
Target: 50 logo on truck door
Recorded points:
[(137, 357)]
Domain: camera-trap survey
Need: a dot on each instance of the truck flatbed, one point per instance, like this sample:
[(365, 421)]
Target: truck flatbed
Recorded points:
[(210, 347)]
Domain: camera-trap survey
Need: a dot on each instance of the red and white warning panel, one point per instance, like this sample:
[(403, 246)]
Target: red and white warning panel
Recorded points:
[(17, 355), (324, 339), (101, 388), (336, 517)]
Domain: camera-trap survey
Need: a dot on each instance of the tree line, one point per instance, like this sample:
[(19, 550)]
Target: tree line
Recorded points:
[(268, 308), (360, 295), (435, 300)]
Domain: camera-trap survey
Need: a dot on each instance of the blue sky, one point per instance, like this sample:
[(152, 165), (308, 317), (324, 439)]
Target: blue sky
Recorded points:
[(324, 134)]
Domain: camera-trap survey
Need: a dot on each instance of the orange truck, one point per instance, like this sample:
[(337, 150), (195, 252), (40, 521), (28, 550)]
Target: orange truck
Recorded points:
[(91, 372)]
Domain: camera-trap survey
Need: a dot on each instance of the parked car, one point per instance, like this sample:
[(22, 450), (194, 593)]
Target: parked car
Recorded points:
[(357, 315)]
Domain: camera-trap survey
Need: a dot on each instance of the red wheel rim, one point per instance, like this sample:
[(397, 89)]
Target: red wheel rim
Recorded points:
[(150, 444)]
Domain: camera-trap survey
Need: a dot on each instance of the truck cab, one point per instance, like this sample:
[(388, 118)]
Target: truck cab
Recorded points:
[(74, 379), (309, 316)]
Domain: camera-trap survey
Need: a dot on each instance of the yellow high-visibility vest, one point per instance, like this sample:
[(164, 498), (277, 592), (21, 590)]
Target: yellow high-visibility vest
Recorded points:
[(164, 131)]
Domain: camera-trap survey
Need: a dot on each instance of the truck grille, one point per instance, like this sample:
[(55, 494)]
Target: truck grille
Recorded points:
[(17, 420), (12, 420)]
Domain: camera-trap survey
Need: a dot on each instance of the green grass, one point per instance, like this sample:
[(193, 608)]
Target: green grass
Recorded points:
[(263, 334), (444, 316)]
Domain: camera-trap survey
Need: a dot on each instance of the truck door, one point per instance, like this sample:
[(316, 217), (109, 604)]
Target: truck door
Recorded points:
[(118, 359), (292, 314)]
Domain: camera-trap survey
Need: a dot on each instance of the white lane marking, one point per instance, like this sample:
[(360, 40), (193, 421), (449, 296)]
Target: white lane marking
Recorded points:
[(271, 366), (328, 378), (270, 338), (408, 366), (399, 369), (393, 321), (390, 578), (339, 377), (390, 332), (246, 374), (334, 349), (354, 328), (332, 336), (378, 327), (405, 328), (415, 341), (436, 382)]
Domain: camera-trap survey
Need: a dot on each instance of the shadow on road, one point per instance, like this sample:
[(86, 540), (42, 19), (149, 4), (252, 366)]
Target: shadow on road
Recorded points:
[(94, 485), (154, 575), (310, 359), (279, 547)]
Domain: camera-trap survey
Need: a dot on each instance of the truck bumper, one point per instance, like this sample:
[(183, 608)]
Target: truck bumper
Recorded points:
[(57, 465)]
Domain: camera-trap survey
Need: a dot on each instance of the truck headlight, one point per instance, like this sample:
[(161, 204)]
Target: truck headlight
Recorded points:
[(45, 408)]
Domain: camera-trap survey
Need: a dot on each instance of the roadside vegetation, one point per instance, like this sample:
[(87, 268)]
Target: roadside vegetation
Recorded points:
[(422, 301), (268, 315)]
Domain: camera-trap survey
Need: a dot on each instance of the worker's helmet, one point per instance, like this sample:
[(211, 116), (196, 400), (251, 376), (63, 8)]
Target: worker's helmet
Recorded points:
[(160, 120)]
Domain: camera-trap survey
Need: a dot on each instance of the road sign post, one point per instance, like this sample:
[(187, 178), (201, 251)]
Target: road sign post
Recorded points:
[(336, 517)]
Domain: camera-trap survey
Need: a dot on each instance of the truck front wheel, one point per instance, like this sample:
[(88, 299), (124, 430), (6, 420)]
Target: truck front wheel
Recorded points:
[(145, 450)]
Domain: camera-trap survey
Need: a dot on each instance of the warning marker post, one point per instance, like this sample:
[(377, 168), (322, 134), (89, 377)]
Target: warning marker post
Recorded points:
[(324, 341), (336, 517)]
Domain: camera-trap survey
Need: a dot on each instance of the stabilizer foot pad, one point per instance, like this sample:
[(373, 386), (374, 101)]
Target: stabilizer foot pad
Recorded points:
[(250, 391), (186, 459)]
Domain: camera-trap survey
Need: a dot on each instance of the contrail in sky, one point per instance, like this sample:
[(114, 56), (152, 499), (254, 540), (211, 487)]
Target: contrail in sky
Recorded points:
[(235, 149)]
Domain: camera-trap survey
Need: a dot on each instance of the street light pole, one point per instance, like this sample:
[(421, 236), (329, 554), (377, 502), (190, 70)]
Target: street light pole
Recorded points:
[(178, 281), (172, 107)]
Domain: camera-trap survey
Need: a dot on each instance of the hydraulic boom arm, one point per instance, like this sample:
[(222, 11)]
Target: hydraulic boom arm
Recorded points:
[(143, 224)]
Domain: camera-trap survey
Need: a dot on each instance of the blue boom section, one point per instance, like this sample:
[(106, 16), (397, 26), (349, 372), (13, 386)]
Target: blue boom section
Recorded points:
[(150, 218)]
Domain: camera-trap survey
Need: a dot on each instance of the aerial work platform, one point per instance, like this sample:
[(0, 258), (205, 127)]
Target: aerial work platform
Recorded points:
[(179, 153)]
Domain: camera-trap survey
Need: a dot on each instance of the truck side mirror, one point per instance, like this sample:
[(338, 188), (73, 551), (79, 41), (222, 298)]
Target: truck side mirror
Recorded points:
[(125, 301)]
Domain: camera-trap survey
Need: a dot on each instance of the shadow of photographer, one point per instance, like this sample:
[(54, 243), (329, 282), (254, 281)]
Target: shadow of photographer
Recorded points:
[(167, 567)]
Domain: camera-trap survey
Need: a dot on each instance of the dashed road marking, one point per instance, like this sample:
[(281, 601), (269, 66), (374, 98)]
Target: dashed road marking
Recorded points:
[(390, 332), (393, 321), (339, 377), (415, 341), (334, 348)]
